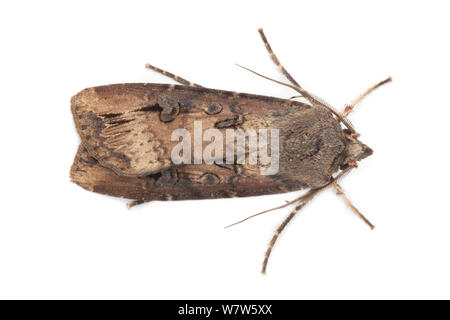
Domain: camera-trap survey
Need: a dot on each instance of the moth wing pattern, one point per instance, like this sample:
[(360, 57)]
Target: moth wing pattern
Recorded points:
[(184, 182), (128, 127)]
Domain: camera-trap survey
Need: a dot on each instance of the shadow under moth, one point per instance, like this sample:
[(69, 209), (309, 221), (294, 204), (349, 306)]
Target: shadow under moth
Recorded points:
[(126, 147)]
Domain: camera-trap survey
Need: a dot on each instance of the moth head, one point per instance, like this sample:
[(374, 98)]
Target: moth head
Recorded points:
[(355, 150)]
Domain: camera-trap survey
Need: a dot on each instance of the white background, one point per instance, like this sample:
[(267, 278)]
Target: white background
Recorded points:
[(60, 241)]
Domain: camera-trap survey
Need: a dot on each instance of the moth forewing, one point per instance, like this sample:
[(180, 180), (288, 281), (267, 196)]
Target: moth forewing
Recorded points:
[(184, 182), (125, 128)]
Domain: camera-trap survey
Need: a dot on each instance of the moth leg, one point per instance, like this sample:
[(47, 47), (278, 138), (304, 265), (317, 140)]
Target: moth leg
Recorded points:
[(349, 108), (340, 192), (173, 76), (136, 203), (275, 59), (314, 100), (300, 203), (296, 86), (277, 233)]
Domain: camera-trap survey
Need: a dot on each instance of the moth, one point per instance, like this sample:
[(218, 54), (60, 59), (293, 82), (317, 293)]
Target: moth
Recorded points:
[(126, 147)]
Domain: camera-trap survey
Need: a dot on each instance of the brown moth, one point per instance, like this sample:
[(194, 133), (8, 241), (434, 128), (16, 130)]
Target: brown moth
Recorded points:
[(126, 146)]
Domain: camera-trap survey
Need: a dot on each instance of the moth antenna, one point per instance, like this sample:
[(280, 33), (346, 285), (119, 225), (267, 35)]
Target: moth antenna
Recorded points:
[(304, 198), (173, 76), (349, 108), (288, 203), (294, 97), (340, 192), (311, 98), (298, 89)]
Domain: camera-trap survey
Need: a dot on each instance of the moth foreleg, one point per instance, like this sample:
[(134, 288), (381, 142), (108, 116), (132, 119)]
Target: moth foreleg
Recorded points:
[(173, 76), (349, 108), (340, 192)]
